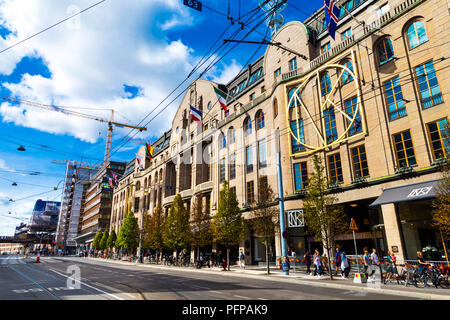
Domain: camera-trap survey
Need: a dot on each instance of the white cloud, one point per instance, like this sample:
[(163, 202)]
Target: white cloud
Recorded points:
[(110, 45), (227, 73)]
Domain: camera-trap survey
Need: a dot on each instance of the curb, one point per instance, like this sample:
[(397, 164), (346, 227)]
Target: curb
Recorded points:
[(291, 280)]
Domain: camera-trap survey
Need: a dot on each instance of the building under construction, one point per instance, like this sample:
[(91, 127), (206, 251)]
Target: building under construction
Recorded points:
[(77, 173)]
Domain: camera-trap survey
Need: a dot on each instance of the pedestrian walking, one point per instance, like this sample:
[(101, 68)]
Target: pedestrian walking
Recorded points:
[(337, 259), (375, 263), (392, 268), (307, 257), (423, 265), (242, 260), (367, 263), (317, 263), (345, 265)]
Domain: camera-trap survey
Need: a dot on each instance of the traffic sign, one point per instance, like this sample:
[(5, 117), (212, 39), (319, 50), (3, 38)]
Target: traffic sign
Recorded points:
[(353, 226), (194, 4), (285, 234)]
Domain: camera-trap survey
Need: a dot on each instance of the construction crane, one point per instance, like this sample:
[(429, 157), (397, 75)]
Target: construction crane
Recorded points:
[(110, 122)]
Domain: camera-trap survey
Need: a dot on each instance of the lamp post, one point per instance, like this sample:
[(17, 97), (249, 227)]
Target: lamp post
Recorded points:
[(140, 236)]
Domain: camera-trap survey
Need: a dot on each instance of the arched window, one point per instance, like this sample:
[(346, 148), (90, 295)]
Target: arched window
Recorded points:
[(385, 51), (346, 77), (259, 119), (275, 108), (325, 84), (209, 105), (223, 141), (149, 181), (416, 34), (145, 183), (138, 186), (231, 136), (247, 126)]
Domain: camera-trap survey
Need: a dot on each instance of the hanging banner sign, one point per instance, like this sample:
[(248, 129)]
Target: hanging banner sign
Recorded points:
[(197, 5)]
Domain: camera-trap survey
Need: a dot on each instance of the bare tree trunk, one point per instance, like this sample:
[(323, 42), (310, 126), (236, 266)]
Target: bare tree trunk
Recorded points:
[(267, 256), (329, 264), (228, 259)]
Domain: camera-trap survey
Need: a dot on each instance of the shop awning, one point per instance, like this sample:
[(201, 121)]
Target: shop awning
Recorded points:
[(416, 191)]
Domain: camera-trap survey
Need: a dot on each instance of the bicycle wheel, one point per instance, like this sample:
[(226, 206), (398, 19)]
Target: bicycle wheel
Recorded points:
[(421, 281)]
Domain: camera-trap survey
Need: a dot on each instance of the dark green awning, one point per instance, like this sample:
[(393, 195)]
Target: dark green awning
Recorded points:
[(416, 191)]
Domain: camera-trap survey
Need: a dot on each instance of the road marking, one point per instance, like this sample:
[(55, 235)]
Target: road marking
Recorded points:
[(214, 291), (262, 299), (36, 283), (235, 295), (99, 290)]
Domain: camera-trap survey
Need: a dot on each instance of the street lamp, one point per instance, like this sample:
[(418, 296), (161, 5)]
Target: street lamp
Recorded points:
[(140, 237)]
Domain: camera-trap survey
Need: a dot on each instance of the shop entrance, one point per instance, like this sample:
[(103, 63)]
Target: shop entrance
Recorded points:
[(418, 234)]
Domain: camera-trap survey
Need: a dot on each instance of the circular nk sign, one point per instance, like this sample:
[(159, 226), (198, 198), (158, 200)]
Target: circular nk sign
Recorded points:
[(285, 234)]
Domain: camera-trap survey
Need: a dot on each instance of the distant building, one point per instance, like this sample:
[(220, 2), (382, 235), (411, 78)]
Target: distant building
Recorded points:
[(95, 212)]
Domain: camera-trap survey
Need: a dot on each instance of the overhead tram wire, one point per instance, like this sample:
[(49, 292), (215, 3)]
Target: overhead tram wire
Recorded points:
[(199, 64), (207, 69), (52, 26)]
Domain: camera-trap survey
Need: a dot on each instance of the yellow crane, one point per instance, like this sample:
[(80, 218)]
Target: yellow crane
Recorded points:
[(110, 122)]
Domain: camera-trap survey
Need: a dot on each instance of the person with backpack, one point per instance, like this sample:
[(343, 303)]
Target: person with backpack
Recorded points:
[(338, 259), (242, 260), (307, 257), (345, 265)]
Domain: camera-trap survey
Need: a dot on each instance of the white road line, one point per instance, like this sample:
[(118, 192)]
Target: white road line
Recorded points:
[(262, 299), (235, 295), (99, 290)]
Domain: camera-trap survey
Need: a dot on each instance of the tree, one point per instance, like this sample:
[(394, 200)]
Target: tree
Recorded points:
[(177, 233), (111, 242), (265, 216), (441, 205), (154, 226), (129, 233), (104, 239), (201, 226), (228, 224), (323, 218), (97, 239)]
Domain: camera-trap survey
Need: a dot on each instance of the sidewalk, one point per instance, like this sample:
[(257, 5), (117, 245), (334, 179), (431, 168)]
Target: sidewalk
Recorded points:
[(338, 282)]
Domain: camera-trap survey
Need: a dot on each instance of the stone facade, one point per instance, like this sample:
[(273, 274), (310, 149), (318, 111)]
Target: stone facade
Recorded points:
[(332, 100)]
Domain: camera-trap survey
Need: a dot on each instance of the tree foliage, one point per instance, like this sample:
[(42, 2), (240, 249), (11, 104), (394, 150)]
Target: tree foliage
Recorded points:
[(200, 224), (228, 224), (177, 233), (441, 205), (129, 233), (111, 242), (97, 240), (104, 240), (154, 228), (323, 218), (265, 216)]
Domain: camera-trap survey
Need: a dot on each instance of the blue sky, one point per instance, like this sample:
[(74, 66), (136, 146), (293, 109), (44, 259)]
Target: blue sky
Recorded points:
[(125, 55)]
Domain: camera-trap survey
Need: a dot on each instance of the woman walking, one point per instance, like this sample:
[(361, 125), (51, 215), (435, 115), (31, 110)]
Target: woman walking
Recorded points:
[(317, 263), (307, 257)]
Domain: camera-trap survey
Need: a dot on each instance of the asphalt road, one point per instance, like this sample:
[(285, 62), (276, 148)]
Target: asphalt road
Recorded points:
[(48, 280)]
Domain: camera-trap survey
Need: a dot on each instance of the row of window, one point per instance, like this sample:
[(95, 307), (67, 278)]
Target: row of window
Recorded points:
[(247, 82), (404, 152), (262, 161)]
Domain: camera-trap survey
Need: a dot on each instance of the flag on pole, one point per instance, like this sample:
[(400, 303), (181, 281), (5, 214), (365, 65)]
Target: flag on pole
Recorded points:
[(196, 115), (149, 153), (332, 13), (222, 97), (115, 178), (140, 161), (110, 181)]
